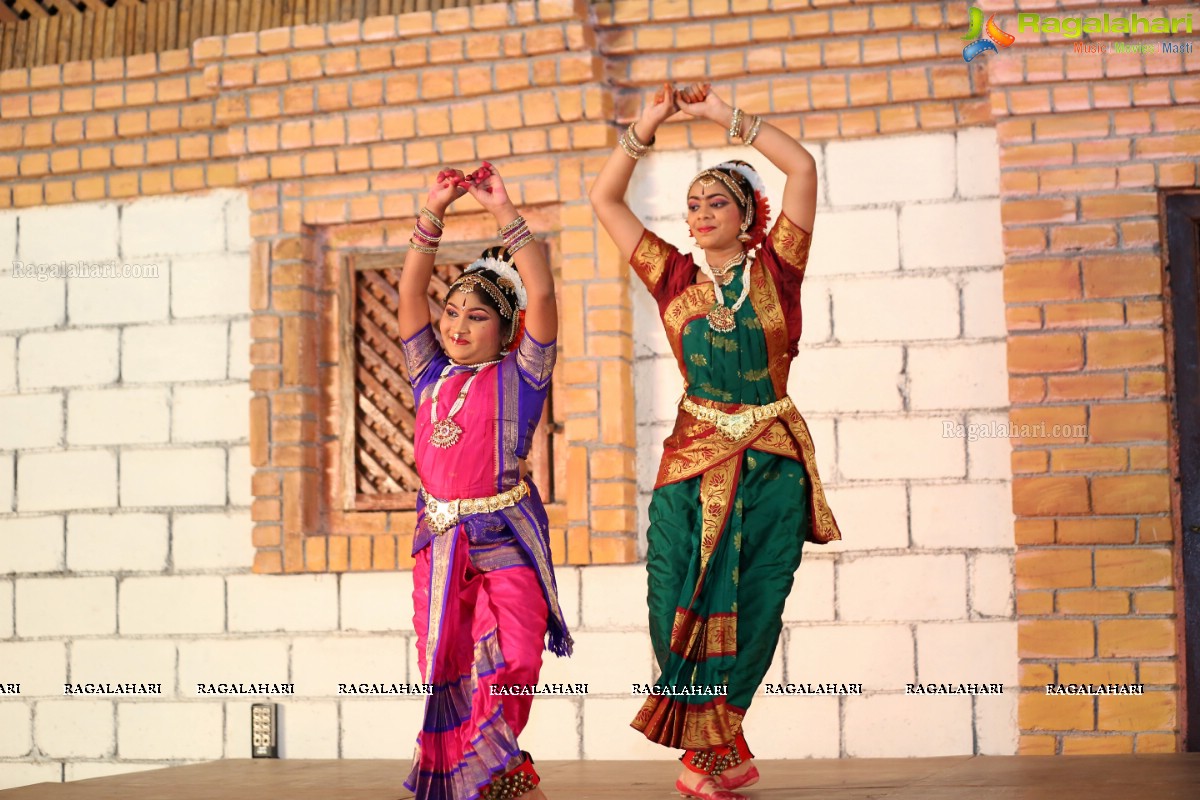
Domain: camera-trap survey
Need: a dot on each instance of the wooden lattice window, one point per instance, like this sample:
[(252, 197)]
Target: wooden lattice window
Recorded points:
[(378, 470)]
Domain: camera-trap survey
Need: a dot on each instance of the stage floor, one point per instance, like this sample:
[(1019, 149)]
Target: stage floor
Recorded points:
[(1157, 777)]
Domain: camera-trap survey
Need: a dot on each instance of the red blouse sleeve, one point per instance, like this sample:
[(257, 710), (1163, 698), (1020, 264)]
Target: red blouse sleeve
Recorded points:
[(665, 271), (785, 254)]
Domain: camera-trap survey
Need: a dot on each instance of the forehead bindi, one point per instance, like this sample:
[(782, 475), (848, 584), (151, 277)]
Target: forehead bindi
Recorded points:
[(468, 303), (710, 193)]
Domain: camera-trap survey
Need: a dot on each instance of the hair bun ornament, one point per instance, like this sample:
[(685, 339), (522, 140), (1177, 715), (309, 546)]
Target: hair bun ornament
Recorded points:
[(508, 277)]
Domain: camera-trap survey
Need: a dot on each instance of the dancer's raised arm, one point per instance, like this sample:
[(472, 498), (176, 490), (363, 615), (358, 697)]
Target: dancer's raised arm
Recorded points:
[(413, 311), (800, 190), (541, 313), (608, 192)]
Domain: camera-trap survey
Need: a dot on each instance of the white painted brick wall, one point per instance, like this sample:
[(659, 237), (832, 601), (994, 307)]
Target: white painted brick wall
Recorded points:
[(896, 169), (903, 308), (8, 364), (977, 165), (894, 725), (220, 540), (240, 472), (792, 726), (40, 667), (876, 514), (878, 656), (962, 515), (992, 590), (170, 604), (31, 421), (381, 728), (140, 295), (595, 654), (320, 664), (124, 660), (16, 729), (151, 353), (68, 358), (8, 240), (6, 609), (811, 599), (898, 448), (27, 303), (212, 660), (310, 729), (31, 544), (376, 601), (903, 587), (74, 232), (847, 379), (848, 242), (215, 413), (75, 479), (967, 652), (8, 466), (75, 728), (282, 603), (66, 606), (624, 588), (607, 735), (117, 542), (181, 476), (972, 375), (951, 234), (210, 285), (17, 774), (170, 730), (173, 226), (118, 416), (552, 730)]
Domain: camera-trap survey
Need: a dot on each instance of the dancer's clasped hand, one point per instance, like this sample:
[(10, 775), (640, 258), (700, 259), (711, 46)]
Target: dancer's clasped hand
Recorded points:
[(484, 184)]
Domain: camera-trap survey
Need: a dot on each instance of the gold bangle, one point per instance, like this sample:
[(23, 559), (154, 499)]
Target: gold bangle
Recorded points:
[(630, 149), (420, 248), (750, 137), (516, 223), (735, 124), (512, 248), (636, 142), (427, 214)]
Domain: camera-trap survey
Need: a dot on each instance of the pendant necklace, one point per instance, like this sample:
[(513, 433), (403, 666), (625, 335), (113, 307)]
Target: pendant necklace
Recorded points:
[(722, 318), (446, 432)]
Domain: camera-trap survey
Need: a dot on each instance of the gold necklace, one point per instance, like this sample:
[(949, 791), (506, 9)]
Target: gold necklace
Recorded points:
[(446, 432), (724, 274)]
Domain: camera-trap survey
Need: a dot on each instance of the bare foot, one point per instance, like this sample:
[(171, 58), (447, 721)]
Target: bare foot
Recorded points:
[(706, 786), (734, 773)]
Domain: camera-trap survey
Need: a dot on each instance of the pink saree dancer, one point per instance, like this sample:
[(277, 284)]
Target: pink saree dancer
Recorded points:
[(484, 593)]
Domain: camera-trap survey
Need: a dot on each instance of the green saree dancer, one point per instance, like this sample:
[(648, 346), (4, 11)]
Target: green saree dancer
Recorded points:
[(737, 493)]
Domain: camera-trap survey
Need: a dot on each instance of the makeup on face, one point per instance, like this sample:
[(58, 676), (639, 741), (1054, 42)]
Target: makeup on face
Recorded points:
[(470, 329), (710, 210)]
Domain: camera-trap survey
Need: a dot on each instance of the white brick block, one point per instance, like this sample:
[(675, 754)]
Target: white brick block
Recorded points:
[(381, 728), (656, 189), (650, 450), (878, 656), (870, 517), (40, 667), (967, 652), (890, 169), (996, 729), (568, 580), (31, 544), (8, 476), (17, 774), (211, 285), (793, 726), (607, 735), (978, 161), (898, 725), (66, 606), (240, 475), (211, 413), (992, 584), (377, 601), (231, 661), (6, 610), (649, 337), (239, 349), (888, 309), (116, 542), (811, 598), (76, 479), (8, 364), (898, 448), (118, 416), (27, 303), (170, 730), (186, 476), (219, 540), (983, 304), (308, 730), (179, 225), (815, 313), (849, 242), (282, 603), (124, 661), (16, 729), (958, 376), (988, 457), (141, 295), (957, 234), (319, 665), (904, 587), (593, 659), (614, 598), (848, 378), (75, 728), (822, 431), (977, 515), (173, 604), (68, 358), (658, 389), (151, 353), (8, 239), (85, 232), (31, 421), (85, 770), (237, 223), (552, 732)]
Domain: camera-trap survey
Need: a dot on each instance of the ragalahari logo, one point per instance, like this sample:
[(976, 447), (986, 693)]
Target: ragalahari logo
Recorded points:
[(994, 37)]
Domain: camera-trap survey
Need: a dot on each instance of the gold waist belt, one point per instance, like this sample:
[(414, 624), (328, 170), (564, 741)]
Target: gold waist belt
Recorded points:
[(442, 515), (736, 425)]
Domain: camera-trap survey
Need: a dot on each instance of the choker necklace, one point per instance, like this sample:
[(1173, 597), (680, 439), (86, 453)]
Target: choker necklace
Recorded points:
[(446, 432), (722, 319), (724, 274)]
